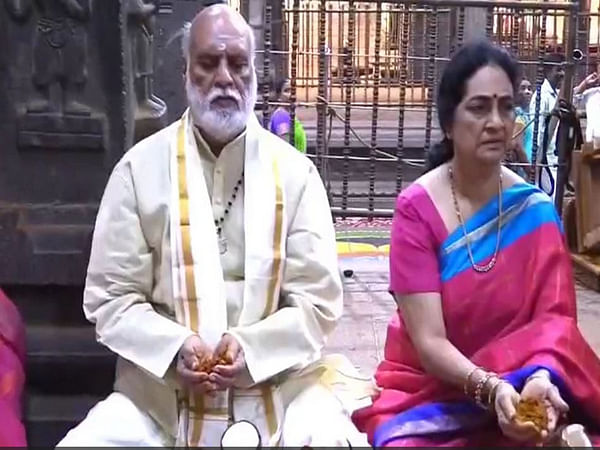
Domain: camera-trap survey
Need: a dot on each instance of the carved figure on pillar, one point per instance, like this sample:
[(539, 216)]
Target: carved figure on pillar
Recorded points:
[(59, 53), (150, 111), (55, 115), (18, 9)]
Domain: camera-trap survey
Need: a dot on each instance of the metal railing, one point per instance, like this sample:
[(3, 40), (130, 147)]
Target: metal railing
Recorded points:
[(364, 75)]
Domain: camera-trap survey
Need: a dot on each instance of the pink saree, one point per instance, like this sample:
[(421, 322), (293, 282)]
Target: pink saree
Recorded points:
[(513, 320), (12, 375)]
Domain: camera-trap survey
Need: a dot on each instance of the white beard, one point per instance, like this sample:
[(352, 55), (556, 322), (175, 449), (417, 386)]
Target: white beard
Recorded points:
[(221, 124)]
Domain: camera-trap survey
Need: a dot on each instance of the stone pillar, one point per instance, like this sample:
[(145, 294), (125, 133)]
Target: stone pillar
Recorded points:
[(416, 68), (278, 39), (582, 42), (475, 21), (256, 10)]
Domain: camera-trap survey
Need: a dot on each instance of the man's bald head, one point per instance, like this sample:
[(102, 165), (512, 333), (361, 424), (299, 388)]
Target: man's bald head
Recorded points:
[(220, 77), (216, 19)]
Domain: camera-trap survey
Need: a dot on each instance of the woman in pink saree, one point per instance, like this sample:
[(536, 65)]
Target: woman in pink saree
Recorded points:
[(483, 281), (12, 376)]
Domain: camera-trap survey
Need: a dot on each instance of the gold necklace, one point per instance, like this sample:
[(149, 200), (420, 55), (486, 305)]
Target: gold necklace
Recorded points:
[(492, 262)]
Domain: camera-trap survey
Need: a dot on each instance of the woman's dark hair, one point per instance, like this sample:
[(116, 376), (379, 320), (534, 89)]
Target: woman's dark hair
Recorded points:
[(463, 65)]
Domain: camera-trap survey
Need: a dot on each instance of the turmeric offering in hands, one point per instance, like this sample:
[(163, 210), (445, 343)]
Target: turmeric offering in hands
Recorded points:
[(224, 360), (534, 411), (208, 363)]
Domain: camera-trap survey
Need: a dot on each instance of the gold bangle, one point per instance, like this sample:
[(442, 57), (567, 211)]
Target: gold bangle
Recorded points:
[(493, 389), (466, 385), (480, 385), (492, 394)]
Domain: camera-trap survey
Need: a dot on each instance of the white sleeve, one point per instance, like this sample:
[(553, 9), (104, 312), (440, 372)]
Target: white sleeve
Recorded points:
[(119, 284)]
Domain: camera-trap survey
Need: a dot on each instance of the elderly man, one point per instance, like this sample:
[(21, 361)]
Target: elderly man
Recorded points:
[(214, 245)]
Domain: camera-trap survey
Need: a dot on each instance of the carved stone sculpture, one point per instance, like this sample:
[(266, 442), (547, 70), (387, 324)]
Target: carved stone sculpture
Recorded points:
[(59, 53), (56, 116), (150, 111)]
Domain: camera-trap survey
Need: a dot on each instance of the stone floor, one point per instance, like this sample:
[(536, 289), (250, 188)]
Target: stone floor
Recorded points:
[(368, 307)]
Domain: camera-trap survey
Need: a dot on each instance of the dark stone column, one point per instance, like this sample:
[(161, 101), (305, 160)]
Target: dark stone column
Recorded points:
[(80, 82), (475, 22)]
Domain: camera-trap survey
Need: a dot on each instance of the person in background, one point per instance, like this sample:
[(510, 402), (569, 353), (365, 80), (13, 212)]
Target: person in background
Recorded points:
[(523, 142), (549, 93), (589, 91), (281, 119), (554, 74), (589, 82)]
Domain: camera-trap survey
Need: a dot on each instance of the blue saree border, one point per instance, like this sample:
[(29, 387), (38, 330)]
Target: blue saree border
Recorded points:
[(446, 417), (525, 209)]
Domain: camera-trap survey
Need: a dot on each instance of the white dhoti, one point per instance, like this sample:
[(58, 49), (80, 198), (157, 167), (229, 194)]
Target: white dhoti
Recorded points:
[(317, 418), (314, 415), (117, 422)]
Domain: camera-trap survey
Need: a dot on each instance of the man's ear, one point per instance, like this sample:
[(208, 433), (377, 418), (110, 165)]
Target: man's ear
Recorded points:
[(184, 72)]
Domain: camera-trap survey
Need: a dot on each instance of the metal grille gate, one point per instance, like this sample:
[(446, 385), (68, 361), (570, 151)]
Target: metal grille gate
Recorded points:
[(363, 77)]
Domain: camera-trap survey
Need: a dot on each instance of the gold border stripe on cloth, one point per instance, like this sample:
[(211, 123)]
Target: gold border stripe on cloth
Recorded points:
[(267, 393), (275, 269), (196, 408)]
